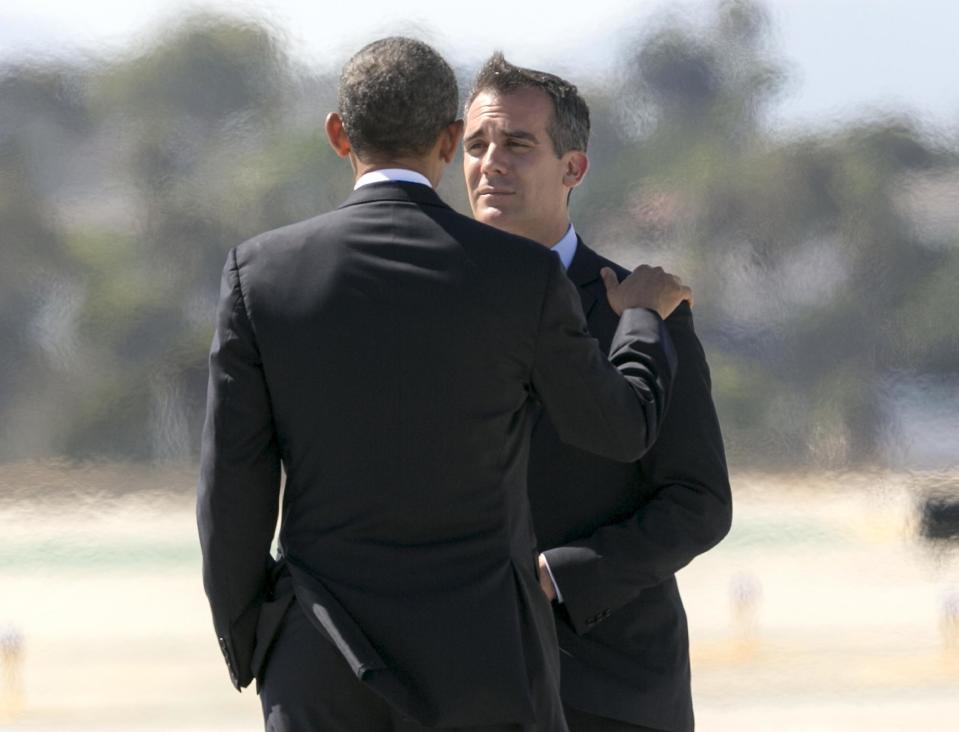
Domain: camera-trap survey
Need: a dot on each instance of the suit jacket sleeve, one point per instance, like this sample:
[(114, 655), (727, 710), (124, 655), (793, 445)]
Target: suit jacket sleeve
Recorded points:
[(613, 407), (238, 494), (689, 512)]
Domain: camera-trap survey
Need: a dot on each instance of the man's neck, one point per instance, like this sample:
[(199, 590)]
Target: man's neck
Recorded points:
[(549, 233), (417, 165)]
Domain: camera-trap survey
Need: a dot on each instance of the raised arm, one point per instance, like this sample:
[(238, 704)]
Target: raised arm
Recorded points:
[(612, 407)]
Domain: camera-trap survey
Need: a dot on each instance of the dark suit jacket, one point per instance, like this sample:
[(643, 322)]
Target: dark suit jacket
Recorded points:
[(614, 533), (387, 354)]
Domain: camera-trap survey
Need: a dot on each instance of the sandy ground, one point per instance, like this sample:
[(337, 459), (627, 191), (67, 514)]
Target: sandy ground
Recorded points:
[(821, 611)]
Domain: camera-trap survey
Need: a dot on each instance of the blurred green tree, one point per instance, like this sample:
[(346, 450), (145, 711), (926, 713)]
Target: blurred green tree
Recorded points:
[(816, 283)]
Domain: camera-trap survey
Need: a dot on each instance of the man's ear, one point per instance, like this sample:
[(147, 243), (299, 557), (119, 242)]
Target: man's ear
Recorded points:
[(450, 140), (576, 164), (336, 134)]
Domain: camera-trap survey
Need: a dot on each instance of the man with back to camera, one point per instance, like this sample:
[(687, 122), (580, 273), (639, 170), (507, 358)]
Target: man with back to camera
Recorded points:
[(386, 355), (612, 533)]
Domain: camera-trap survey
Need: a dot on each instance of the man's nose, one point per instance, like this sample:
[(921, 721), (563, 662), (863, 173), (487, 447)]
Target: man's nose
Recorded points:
[(494, 161)]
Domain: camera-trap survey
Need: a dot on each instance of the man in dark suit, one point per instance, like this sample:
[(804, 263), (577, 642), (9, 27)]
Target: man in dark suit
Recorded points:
[(612, 533), (386, 355)]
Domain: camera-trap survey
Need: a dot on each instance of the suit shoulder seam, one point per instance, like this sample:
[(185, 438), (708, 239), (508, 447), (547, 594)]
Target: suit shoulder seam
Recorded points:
[(241, 297)]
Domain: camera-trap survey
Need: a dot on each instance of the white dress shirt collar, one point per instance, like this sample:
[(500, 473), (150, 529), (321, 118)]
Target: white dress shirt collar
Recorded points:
[(394, 174), (565, 248)]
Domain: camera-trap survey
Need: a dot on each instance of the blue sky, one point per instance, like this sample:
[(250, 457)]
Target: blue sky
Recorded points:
[(846, 58)]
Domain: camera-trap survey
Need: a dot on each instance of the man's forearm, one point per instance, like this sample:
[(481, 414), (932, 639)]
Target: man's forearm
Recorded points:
[(611, 407)]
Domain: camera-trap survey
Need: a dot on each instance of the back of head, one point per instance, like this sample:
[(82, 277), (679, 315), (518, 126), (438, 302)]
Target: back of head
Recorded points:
[(569, 128), (395, 97)]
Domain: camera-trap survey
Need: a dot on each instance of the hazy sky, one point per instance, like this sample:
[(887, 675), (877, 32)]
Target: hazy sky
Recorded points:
[(845, 57)]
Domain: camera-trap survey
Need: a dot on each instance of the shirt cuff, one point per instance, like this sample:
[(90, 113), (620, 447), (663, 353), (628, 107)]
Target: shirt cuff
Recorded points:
[(559, 595)]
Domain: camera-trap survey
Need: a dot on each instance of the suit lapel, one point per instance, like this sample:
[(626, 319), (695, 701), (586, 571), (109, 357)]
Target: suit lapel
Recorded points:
[(584, 273)]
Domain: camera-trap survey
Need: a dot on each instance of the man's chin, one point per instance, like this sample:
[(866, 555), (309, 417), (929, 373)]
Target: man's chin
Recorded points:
[(494, 216)]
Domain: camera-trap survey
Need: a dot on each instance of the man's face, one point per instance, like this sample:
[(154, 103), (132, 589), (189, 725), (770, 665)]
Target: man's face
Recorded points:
[(514, 178)]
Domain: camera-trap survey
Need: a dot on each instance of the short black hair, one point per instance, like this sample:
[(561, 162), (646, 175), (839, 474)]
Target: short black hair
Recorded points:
[(569, 127), (395, 97)]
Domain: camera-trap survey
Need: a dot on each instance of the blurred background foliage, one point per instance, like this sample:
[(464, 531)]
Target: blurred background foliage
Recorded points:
[(825, 262)]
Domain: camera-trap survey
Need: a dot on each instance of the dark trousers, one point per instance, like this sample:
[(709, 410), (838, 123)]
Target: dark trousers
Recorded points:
[(307, 686), (585, 722)]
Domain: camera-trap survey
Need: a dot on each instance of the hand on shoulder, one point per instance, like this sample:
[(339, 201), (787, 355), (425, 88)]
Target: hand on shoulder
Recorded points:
[(646, 287)]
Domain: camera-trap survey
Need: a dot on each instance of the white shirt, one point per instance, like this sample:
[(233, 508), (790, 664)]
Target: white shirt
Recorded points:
[(565, 248), (395, 174)]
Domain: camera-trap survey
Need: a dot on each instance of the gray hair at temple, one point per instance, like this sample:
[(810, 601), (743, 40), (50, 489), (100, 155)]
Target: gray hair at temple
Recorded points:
[(569, 127), (395, 97)]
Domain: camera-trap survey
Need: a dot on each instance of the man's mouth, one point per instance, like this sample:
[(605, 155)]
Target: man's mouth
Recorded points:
[(491, 191)]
